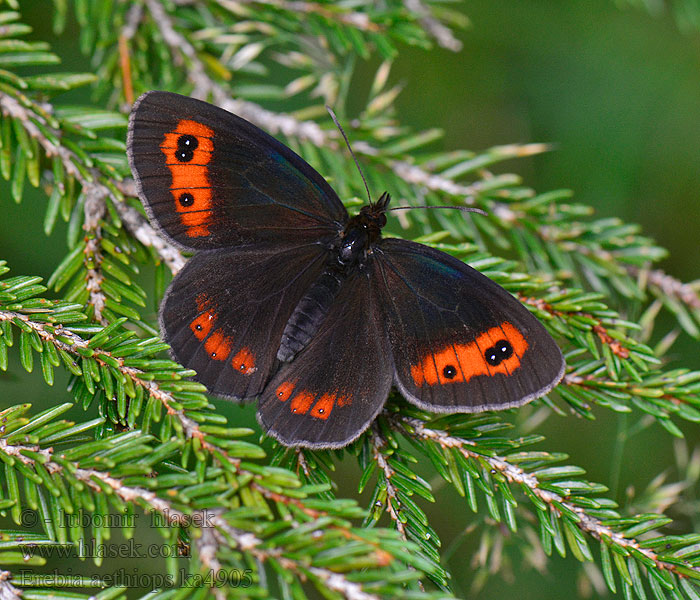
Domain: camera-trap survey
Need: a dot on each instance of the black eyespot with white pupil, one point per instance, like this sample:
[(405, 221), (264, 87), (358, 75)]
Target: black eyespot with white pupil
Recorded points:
[(186, 145), (186, 199), (500, 351), (449, 372)]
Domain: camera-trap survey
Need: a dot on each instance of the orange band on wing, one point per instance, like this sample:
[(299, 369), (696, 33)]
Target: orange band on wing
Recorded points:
[(284, 390), (301, 403), (497, 350), (244, 362), (202, 323), (201, 326), (188, 149), (322, 409), (218, 345)]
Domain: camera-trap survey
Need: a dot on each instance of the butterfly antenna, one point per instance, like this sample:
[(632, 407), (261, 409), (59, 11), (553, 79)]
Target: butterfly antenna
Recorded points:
[(347, 143), (462, 208)]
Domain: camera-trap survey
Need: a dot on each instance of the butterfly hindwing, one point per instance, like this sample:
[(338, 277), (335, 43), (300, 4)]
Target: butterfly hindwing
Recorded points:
[(224, 313), (334, 388), (460, 342), (210, 179)]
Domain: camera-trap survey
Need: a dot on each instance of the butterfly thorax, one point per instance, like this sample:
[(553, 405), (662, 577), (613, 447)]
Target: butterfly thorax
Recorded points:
[(349, 255), (362, 231)]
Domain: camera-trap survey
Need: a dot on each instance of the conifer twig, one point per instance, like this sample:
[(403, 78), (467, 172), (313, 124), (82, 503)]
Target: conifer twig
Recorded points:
[(598, 328), (555, 502), (133, 18), (183, 53), (220, 529), (274, 123), (442, 34), (669, 286), (94, 209), (336, 13), (89, 477), (96, 193), (144, 232), (67, 341), (333, 581), (392, 501)]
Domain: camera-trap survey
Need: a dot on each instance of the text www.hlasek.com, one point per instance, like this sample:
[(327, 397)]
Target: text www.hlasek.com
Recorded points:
[(93, 549)]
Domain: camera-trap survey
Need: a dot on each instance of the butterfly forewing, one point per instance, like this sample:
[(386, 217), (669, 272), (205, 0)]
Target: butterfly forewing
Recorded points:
[(211, 179), (460, 342)]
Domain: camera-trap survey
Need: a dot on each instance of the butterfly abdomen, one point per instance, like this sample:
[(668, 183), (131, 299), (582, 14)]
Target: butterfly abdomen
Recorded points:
[(309, 313), (348, 256)]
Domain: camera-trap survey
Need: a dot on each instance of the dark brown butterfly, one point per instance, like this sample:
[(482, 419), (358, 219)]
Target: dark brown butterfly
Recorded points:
[(289, 299)]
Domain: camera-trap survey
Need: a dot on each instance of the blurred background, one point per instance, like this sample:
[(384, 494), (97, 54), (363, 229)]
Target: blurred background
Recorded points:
[(617, 91)]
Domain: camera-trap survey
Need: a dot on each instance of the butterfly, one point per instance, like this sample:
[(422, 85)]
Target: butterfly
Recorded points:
[(289, 299)]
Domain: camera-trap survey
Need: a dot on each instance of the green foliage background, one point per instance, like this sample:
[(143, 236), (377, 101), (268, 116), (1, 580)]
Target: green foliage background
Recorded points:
[(616, 89)]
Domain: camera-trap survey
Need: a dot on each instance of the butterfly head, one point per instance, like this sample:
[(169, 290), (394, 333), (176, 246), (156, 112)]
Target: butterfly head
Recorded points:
[(373, 216)]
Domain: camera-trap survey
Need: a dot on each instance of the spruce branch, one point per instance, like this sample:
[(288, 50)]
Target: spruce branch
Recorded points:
[(570, 307), (290, 127), (681, 299), (670, 286), (100, 183), (393, 504), (208, 441), (97, 187), (443, 35), (183, 53), (115, 467), (337, 13), (71, 344), (94, 207), (143, 231), (563, 501), (393, 499)]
